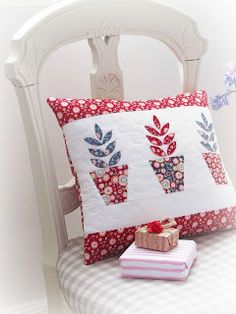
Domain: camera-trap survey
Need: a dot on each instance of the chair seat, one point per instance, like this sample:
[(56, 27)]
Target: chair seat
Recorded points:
[(98, 288)]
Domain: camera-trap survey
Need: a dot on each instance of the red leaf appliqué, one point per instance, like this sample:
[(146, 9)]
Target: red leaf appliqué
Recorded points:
[(152, 130), (157, 151), (165, 129), (154, 140), (171, 148), (156, 122), (159, 132), (168, 138)]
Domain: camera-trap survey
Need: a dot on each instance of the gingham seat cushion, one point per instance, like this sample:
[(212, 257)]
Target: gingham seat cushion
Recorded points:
[(98, 288)]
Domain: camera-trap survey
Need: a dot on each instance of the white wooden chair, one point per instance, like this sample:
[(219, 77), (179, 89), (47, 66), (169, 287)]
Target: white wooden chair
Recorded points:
[(100, 22)]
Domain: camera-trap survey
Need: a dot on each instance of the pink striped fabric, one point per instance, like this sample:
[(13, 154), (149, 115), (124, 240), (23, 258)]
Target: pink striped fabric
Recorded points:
[(154, 277), (172, 265), (174, 270)]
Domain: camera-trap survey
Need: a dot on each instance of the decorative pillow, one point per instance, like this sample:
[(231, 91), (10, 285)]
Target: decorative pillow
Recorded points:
[(142, 161)]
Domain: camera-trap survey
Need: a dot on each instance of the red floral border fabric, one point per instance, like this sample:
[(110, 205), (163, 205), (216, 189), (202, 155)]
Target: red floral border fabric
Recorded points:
[(216, 168), (69, 110), (100, 245)]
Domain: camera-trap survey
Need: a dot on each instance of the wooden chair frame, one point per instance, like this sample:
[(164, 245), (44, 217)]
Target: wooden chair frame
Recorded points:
[(101, 22)]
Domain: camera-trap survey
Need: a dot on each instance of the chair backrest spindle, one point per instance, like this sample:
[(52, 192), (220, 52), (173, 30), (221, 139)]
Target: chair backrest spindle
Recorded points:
[(106, 76)]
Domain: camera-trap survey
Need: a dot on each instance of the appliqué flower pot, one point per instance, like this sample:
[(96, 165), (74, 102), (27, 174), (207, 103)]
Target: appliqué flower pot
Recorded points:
[(169, 172), (112, 183), (216, 168), (208, 141), (110, 179)]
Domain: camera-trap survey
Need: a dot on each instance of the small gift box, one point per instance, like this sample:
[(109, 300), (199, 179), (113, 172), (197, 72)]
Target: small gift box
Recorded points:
[(158, 237), (173, 265)]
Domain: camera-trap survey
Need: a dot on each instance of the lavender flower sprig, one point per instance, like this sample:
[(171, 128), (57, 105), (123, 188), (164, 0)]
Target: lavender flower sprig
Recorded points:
[(230, 79), (230, 75), (221, 100)]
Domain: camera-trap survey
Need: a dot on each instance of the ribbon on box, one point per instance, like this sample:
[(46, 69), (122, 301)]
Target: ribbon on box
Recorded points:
[(157, 226)]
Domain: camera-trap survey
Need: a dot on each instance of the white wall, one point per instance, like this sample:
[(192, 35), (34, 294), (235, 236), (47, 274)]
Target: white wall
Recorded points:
[(150, 71)]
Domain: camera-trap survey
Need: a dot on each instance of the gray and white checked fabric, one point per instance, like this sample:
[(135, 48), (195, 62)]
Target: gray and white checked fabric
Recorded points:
[(99, 289)]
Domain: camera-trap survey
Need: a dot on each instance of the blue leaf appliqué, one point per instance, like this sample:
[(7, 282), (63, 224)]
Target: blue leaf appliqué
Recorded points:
[(214, 147), (97, 152), (208, 135), (212, 137), (115, 159), (207, 146), (92, 141), (110, 148), (99, 163), (202, 126), (98, 131), (204, 119), (107, 137), (210, 127), (203, 135)]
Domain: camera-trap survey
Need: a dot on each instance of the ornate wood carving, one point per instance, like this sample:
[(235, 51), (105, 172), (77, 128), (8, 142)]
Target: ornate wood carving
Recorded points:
[(106, 76)]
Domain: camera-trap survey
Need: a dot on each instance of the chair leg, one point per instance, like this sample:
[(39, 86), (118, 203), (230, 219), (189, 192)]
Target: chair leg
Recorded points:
[(56, 301)]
